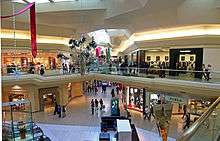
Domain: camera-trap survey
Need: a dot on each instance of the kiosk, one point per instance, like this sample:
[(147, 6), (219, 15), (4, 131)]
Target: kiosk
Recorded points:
[(124, 130)]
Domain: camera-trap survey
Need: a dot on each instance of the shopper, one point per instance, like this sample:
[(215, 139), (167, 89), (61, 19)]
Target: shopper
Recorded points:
[(184, 110), (151, 112), (101, 104), (113, 92), (96, 104), (208, 70), (55, 109), (117, 89), (42, 71), (63, 111), (146, 113), (204, 71), (187, 121), (70, 67), (104, 88), (92, 106), (59, 110), (96, 90)]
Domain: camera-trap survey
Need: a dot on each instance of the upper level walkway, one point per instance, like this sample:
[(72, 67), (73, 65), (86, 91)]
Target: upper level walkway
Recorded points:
[(178, 85)]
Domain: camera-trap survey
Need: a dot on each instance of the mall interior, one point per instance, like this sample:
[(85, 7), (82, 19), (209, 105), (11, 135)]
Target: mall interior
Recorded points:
[(110, 70)]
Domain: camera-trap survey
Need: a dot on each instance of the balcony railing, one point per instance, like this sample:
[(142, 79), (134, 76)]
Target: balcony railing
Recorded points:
[(207, 127), (189, 75)]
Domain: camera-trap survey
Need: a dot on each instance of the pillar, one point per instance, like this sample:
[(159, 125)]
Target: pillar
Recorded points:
[(62, 95), (33, 96)]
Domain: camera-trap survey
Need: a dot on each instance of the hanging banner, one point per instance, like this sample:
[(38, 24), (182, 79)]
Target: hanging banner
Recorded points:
[(33, 30), (19, 12)]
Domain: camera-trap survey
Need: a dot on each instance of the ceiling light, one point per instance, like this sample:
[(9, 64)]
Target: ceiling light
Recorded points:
[(178, 32), (154, 50), (185, 51)]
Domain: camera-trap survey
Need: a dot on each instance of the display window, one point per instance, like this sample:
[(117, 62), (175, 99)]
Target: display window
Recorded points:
[(135, 99), (23, 60)]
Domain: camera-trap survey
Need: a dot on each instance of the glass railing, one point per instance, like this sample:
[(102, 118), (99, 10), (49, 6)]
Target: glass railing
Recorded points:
[(190, 75), (199, 76), (207, 127)]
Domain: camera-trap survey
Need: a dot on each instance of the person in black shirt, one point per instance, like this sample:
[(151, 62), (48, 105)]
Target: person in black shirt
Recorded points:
[(92, 106), (187, 121), (101, 104), (42, 70), (55, 110), (96, 104), (64, 111)]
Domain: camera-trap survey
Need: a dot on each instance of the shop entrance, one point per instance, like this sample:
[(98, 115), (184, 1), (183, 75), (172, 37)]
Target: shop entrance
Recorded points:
[(47, 98), (186, 59)]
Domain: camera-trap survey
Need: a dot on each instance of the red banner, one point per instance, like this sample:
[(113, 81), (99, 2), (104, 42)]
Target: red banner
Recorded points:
[(33, 30), (19, 12)]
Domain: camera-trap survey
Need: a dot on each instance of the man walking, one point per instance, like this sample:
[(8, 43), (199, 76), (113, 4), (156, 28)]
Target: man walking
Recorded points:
[(92, 106)]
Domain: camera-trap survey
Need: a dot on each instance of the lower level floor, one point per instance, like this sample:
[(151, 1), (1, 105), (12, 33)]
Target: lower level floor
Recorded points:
[(87, 133), (79, 113)]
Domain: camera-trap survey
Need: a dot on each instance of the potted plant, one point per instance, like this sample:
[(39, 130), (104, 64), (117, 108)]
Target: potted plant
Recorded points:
[(22, 132)]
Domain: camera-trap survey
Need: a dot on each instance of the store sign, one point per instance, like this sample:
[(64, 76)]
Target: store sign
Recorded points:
[(174, 99)]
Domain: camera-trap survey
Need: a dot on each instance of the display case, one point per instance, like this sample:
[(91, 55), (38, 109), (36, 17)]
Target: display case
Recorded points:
[(17, 123)]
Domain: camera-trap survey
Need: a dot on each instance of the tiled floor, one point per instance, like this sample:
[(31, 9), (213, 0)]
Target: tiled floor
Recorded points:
[(79, 114), (87, 133)]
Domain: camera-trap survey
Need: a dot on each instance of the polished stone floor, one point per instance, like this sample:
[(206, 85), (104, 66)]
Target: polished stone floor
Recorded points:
[(79, 114), (87, 133)]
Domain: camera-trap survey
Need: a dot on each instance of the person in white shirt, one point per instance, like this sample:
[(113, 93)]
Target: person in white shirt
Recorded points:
[(208, 71)]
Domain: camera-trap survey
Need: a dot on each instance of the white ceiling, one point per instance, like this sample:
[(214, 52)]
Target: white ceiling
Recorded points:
[(81, 16)]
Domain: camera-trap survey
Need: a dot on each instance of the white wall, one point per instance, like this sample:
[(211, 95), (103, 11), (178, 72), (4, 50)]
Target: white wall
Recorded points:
[(212, 56)]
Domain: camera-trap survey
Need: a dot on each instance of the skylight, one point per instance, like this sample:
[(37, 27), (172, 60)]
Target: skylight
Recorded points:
[(100, 36)]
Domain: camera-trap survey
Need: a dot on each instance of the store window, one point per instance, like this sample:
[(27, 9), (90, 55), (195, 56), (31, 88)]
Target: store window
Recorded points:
[(135, 99), (157, 58), (148, 58), (166, 58)]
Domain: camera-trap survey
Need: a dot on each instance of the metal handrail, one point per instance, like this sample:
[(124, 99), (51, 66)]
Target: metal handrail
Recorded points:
[(196, 125)]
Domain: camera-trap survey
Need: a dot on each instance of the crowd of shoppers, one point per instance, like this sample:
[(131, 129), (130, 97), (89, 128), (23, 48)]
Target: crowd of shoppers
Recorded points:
[(97, 105)]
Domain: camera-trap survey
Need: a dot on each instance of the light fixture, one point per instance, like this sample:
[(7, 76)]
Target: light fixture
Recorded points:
[(169, 33), (185, 51)]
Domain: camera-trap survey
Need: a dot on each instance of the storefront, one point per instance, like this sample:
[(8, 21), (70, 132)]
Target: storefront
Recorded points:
[(47, 98), (186, 59), (135, 99), (14, 94), (24, 60)]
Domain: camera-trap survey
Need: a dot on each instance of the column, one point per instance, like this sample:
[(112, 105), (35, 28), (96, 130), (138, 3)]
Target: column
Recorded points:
[(62, 95), (33, 96)]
